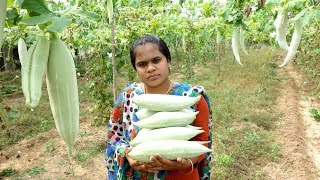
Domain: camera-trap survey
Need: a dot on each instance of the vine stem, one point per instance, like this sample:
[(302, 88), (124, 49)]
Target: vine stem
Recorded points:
[(113, 59)]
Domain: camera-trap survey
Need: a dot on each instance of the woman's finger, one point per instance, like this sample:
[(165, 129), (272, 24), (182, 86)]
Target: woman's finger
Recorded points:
[(126, 151), (144, 168), (155, 160), (155, 169), (163, 161), (183, 161)]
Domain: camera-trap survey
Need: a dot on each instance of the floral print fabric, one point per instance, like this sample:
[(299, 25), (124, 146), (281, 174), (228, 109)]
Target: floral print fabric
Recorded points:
[(121, 131)]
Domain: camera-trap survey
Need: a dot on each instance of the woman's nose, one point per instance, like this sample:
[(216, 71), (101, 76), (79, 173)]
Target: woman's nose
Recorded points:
[(151, 67)]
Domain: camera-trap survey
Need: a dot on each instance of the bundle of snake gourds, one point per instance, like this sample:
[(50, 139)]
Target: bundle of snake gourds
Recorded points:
[(54, 60), (163, 131)]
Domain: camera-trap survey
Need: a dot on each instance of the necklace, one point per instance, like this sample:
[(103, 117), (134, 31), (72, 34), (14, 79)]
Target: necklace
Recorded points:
[(169, 89)]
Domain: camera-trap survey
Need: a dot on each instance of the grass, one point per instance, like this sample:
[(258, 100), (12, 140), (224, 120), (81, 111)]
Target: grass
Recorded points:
[(84, 155), (9, 82), (8, 172), (35, 171), (49, 146)]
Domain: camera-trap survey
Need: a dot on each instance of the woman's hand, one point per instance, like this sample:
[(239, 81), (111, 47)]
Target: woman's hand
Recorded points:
[(138, 165), (161, 163)]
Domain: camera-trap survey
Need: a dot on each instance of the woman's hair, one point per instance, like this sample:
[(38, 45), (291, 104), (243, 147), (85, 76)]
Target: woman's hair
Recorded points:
[(163, 48)]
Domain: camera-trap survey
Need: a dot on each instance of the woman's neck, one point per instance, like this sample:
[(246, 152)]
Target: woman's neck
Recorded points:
[(161, 89)]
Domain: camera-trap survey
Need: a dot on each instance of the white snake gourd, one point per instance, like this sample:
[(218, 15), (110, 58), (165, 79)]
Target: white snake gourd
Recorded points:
[(281, 24), (169, 149), (296, 37), (63, 92), (235, 44), (161, 102)]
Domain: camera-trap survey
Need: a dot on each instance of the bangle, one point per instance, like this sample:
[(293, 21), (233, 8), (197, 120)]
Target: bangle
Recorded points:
[(191, 168)]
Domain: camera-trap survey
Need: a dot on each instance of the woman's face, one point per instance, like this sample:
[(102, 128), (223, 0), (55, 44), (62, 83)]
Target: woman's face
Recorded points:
[(152, 66)]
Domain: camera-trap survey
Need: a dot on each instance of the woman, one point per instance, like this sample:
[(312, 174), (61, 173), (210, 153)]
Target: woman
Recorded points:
[(151, 59)]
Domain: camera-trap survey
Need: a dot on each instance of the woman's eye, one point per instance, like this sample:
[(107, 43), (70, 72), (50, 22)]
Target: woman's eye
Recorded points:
[(155, 60), (141, 64)]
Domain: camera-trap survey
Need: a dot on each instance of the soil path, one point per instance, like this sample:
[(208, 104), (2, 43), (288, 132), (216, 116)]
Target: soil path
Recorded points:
[(297, 131)]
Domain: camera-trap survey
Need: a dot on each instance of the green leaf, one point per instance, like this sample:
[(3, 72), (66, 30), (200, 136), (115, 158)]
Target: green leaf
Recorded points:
[(313, 15), (10, 3), (59, 24), (12, 14), (13, 114), (89, 14), (181, 2), (43, 27), (314, 112), (301, 13), (36, 6), (317, 117), (119, 3), (38, 19), (18, 3), (133, 3)]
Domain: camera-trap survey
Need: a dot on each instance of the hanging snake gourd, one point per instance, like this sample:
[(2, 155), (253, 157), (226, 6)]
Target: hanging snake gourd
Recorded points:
[(63, 92), (3, 11), (33, 68), (294, 44), (242, 44), (281, 24), (235, 44), (37, 71)]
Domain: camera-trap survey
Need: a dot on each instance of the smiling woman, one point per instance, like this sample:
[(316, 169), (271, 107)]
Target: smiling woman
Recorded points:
[(150, 57)]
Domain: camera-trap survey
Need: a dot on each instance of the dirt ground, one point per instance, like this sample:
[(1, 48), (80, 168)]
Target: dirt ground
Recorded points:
[(298, 131)]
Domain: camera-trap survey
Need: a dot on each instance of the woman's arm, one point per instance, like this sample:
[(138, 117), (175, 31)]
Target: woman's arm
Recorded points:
[(202, 121)]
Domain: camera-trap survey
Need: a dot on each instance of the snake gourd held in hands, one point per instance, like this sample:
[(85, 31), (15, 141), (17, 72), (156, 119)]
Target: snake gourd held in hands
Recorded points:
[(167, 133), (169, 149), (160, 102)]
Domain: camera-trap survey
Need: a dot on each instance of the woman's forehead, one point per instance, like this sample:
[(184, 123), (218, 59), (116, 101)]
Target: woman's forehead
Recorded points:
[(147, 46), (149, 51)]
